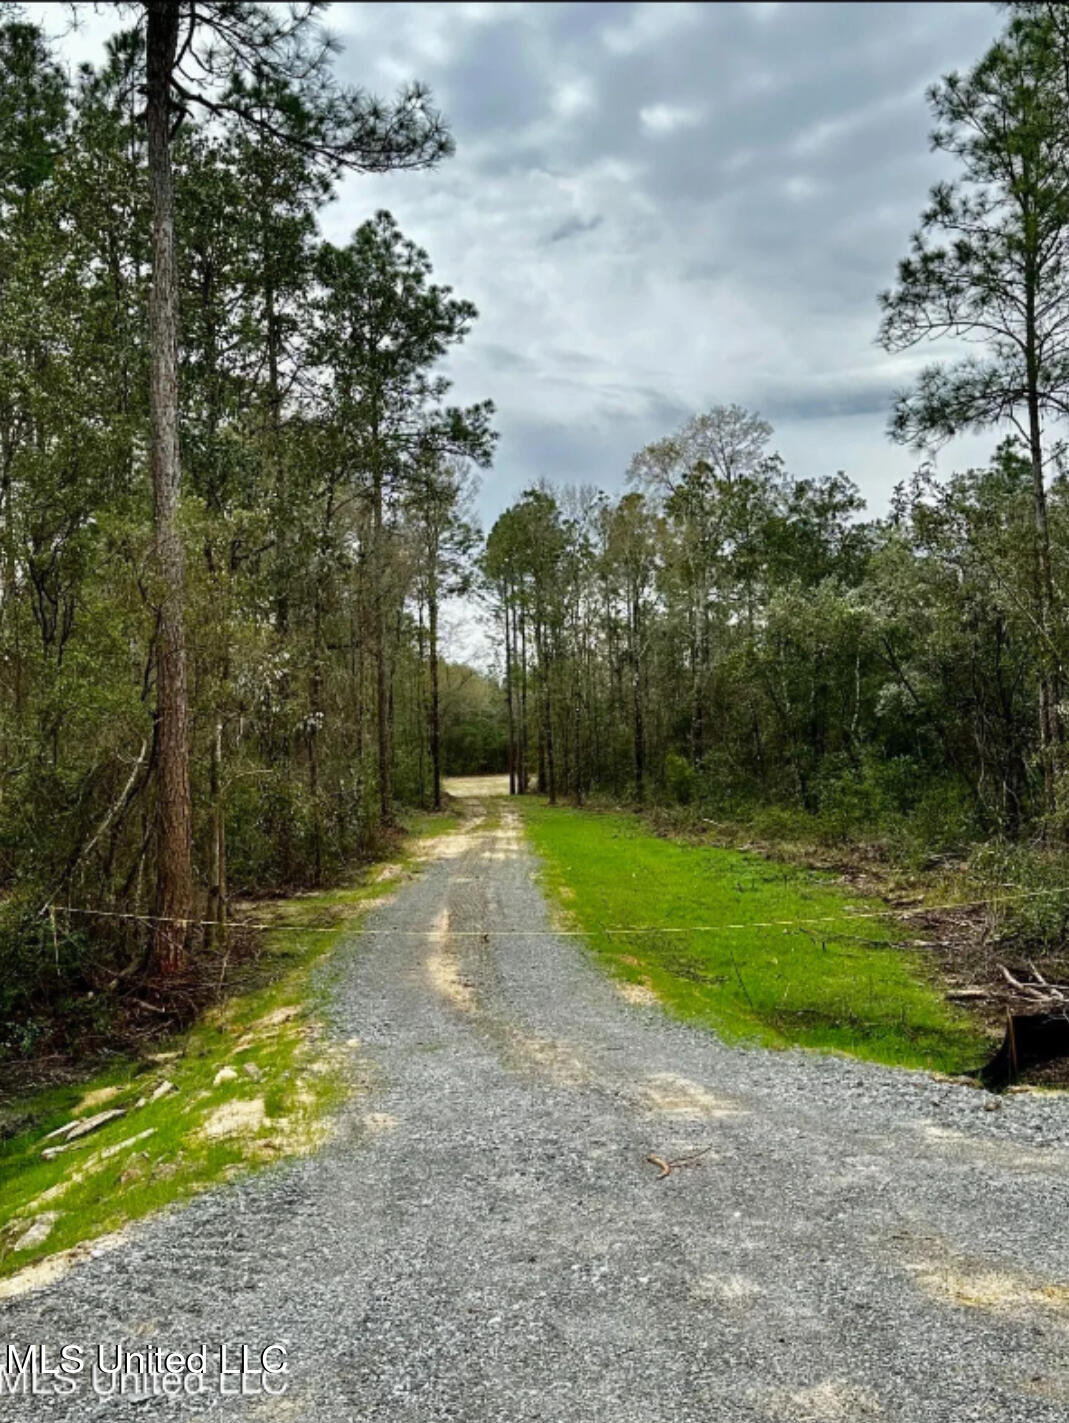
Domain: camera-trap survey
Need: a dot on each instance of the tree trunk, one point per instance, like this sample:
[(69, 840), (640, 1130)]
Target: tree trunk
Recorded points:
[(1050, 730), (509, 700), (382, 691), (436, 726), (577, 726), (636, 701), (697, 735), (217, 879), (523, 701), (174, 833), (542, 646), (317, 718), (423, 709)]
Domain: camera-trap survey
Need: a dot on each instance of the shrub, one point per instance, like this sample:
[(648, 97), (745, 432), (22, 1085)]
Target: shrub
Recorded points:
[(679, 778)]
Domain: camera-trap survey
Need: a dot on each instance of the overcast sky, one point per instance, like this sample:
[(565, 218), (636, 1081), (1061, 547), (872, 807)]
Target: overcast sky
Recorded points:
[(658, 208)]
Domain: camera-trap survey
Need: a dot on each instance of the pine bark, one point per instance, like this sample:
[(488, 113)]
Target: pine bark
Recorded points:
[(174, 820), (1050, 727), (382, 688), (522, 768), (509, 702), (436, 725), (638, 729)]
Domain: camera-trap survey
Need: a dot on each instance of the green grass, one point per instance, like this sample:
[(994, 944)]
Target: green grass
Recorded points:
[(840, 985), (299, 1078)]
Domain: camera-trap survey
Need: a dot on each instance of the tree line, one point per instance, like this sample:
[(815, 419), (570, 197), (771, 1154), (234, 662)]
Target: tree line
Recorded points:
[(235, 495), (233, 489), (729, 633)]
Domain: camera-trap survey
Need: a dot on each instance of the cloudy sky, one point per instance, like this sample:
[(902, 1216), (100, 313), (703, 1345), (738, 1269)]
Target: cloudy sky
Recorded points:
[(662, 207), (658, 208)]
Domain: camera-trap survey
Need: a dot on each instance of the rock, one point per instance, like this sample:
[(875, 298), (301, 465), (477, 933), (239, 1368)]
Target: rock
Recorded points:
[(225, 1074), (88, 1124), (81, 1126), (38, 1232), (110, 1151), (89, 1165), (51, 1151), (251, 1070), (136, 1170), (59, 1131), (162, 1090)]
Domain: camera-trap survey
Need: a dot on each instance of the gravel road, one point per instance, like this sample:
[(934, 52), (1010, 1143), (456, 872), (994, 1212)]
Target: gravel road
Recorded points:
[(484, 1238)]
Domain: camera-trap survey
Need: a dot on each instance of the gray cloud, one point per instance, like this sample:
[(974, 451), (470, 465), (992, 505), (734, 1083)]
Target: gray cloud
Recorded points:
[(809, 402), (574, 226), (661, 207), (502, 358)]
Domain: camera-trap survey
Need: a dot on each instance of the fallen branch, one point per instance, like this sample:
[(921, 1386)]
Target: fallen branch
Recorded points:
[(667, 1167), (120, 805), (148, 1007), (1043, 993)]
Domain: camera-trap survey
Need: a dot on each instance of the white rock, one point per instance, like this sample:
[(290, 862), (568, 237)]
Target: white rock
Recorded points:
[(39, 1230), (88, 1124), (81, 1126), (225, 1074)]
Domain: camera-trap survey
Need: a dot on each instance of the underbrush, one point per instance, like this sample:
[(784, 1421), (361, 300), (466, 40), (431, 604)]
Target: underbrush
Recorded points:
[(1021, 886), (78, 990)]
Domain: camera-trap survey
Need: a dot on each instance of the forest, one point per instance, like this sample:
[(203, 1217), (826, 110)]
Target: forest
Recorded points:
[(728, 636), (235, 499), (546, 901), (223, 554)]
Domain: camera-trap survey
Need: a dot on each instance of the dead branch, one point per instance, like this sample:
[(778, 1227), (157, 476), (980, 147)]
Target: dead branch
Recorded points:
[(667, 1167), (1045, 996)]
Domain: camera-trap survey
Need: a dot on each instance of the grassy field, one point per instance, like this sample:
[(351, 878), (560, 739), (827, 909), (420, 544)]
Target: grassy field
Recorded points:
[(252, 1082), (842, 984)]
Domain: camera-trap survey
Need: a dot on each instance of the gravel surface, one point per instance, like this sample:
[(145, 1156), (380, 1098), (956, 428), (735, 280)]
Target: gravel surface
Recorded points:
[(484, 1238)]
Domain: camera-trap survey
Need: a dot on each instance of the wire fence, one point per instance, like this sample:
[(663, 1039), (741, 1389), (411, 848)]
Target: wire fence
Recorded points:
[(846, 914)]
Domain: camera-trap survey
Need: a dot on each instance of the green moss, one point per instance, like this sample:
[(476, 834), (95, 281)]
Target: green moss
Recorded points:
[(838, 984), (296, 1078)]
